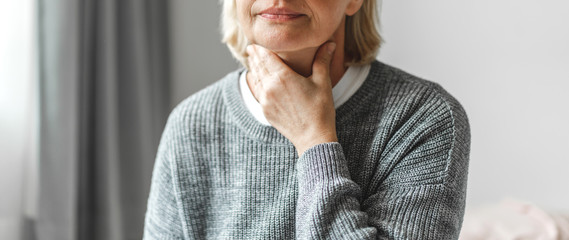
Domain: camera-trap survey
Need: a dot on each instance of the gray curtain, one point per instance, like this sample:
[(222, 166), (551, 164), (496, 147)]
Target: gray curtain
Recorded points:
[(103, 104)]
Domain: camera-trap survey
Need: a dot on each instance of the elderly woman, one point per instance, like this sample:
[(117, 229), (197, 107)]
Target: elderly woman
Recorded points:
[(313, 139)]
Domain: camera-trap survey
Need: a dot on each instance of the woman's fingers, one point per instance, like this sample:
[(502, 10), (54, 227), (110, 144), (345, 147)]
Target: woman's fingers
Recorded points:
[(255, 62), (268, 60), (321, 65), (253, 79)]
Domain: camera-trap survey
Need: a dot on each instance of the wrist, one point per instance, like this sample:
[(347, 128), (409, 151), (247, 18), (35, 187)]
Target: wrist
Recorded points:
[(327, 138)]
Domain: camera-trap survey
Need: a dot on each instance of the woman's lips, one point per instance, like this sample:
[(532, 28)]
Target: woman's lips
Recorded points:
[(280, 14)]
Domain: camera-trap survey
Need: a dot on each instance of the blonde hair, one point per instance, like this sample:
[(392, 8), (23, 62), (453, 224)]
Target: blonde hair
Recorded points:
[(362, 39)]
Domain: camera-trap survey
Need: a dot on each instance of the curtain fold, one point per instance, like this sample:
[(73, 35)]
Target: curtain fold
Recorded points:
[(104, 80)]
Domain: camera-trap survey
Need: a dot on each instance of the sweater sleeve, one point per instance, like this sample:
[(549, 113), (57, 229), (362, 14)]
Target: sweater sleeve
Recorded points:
[(162, 220), (331, 206)]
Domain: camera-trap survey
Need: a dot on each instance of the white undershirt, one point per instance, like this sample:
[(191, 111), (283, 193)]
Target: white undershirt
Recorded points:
[(344, 89)]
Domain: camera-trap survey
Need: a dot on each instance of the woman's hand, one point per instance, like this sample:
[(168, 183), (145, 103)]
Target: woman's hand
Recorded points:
[(301, 109)]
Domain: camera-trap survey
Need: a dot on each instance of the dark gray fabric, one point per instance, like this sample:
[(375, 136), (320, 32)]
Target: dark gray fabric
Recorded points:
[(104, 102), (399, 170)]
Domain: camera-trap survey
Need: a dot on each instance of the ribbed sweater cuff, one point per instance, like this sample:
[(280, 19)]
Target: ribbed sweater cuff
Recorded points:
[(322, 162)]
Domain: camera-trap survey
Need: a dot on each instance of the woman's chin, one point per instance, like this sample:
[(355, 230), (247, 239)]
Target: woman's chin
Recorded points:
[(282, 42), (284, 47)]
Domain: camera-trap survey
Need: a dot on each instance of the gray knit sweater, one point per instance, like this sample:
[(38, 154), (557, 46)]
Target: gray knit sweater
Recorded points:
[(399, 170)]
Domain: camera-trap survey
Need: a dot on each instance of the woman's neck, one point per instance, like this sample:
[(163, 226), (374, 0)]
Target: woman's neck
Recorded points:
[(301, 61)]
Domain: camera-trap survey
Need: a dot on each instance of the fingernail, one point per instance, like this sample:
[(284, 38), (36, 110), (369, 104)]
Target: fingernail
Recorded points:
[(331, 47), (249, 48)]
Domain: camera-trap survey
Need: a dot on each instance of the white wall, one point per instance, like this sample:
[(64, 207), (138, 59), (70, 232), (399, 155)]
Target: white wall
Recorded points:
[(507, 61), (18, 125)]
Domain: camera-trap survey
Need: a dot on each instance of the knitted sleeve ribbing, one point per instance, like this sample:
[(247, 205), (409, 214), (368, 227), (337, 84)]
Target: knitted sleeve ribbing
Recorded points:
[(422, 197)]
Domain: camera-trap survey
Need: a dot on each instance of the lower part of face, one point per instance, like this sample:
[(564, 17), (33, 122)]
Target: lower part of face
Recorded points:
[(284, 26)]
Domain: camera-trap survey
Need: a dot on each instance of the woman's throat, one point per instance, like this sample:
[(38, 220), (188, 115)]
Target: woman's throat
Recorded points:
[(299, 61)]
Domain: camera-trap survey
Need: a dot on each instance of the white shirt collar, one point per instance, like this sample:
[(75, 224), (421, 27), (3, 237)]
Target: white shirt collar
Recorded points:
[(344, 89)]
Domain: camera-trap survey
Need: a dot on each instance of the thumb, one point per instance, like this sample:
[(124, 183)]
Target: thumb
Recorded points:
[(321, 65)]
